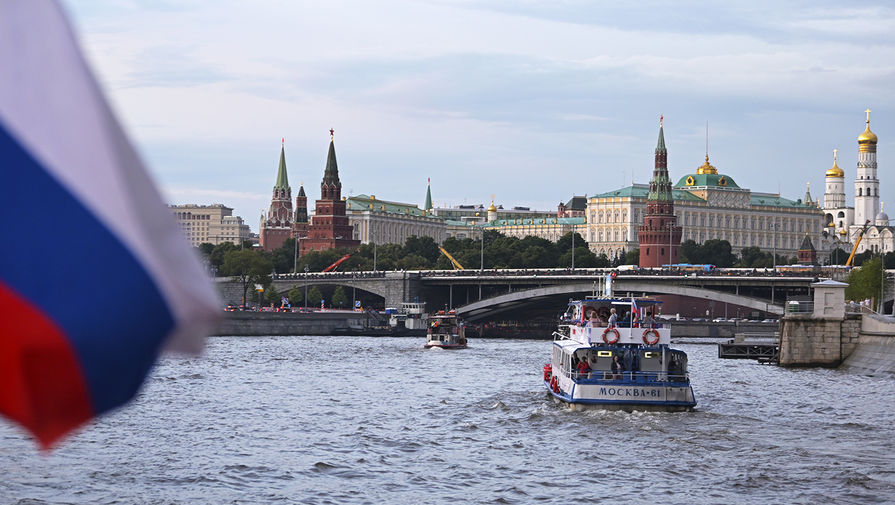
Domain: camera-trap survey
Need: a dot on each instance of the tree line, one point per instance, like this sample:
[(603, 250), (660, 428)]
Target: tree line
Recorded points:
[(491, 250)]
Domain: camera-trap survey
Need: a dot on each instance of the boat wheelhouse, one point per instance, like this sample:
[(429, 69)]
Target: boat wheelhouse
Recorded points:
[(409, 320), (445, 331), (626, 366)]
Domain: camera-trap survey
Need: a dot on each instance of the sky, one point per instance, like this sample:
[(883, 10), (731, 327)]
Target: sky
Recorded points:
[(529, 101)]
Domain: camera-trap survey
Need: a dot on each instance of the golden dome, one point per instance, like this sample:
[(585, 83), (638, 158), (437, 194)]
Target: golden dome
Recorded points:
[(706, 167), (835, 171), (843, 232), (868, 137), (492, 207)]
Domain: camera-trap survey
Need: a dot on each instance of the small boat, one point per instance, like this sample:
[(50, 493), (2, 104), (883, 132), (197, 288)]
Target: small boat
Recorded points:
[(445, 331), (409, 320), (626, 366)]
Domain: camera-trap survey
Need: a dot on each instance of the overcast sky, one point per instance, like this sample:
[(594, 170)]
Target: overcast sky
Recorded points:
[(531, 101)]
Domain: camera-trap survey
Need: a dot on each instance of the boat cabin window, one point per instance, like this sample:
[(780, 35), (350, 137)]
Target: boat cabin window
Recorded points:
[(650, 361), (602, 360)]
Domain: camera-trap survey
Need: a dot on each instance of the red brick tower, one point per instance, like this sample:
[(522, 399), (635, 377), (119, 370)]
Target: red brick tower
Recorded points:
[(659, 235), (277, 226), (329, 226)]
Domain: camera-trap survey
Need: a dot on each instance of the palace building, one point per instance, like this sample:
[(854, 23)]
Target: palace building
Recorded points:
[(705, 205)]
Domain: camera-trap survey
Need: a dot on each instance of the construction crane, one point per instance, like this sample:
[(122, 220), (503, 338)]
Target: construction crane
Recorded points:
[(454, 262), (337, 263), (857, 243)]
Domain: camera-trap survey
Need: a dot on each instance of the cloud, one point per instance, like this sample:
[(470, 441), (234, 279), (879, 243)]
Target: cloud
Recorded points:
[(532, 100)]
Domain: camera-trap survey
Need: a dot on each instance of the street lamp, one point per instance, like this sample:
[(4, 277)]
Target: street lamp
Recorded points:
[(306, 286), (774, 259), (482, 257)]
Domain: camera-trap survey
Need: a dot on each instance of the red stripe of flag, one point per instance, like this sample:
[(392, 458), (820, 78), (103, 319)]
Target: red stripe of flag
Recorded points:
[(42, 388)]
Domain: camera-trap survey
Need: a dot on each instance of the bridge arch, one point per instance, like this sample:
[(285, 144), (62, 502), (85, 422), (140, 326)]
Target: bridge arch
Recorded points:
[(507, 301)]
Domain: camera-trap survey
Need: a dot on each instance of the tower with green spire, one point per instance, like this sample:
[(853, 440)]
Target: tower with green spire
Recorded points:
[(329, 227), (428, 205), (659, 235), (276, 226)]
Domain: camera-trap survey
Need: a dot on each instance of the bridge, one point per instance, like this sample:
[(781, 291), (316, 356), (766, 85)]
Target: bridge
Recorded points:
[(482, 294)]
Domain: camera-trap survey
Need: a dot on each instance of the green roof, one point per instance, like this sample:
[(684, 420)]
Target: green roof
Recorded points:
[(768, 200), (428, 204), (282, 179), (660, 145), (638, 191), (331, 173), (537, 221), (365, 202), (707, 180)]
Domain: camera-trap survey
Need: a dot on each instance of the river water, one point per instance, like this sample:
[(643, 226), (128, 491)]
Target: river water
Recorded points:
[(347, 420)]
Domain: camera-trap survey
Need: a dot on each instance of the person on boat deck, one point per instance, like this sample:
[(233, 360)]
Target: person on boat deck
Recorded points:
[(583, 368), (594, 320), (648, 321), (617, 367), (628, 359), (613, 318)]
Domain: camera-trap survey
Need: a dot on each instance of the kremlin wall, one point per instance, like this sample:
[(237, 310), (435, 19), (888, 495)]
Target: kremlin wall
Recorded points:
[(656, 217)]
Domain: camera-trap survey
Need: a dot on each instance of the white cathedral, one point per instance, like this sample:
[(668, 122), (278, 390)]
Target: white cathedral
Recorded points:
[(843, 224)]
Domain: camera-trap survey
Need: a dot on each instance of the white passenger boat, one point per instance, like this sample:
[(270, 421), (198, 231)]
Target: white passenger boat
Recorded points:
[(628, 366), (445, 331)]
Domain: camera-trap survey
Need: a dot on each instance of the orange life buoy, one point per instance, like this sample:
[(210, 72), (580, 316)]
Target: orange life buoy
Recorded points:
[(650, 341), (613, 331)]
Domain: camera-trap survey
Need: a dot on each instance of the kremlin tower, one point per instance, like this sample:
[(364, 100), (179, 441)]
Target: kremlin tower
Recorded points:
[(329, 226), (659, 235), (300, 225), (276, 227)]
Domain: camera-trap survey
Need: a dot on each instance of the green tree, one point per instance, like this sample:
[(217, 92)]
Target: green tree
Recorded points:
[(865, 282), (838, 256), (754, 257), (205, 249), (271, 295), (247, 267), (537, 257), (216, 257), (632, 257), (717, 252), (339, 299), (283, 258), (314, 296), (424, 247), (295, 296)]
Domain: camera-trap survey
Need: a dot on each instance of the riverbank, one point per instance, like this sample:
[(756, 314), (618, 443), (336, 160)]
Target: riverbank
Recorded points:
[(340, 322)]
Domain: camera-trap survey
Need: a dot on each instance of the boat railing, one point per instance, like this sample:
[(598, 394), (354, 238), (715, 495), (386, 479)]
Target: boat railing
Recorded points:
[(560, 336), (636, 377)]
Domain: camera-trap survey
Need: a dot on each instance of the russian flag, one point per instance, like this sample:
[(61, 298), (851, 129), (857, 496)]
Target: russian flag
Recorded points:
[(95, 275)]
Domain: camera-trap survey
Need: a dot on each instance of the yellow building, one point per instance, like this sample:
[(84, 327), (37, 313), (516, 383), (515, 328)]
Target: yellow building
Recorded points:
[(213, 224)]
